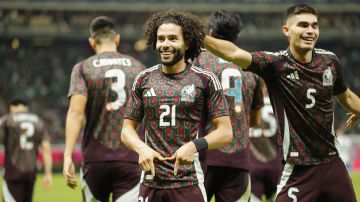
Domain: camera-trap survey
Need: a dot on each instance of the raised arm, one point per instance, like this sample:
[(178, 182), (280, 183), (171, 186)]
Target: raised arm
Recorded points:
[(351, 102), (228, 51)]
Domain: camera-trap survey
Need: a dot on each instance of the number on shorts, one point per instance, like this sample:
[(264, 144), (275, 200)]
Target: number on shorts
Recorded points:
[(141, 199)]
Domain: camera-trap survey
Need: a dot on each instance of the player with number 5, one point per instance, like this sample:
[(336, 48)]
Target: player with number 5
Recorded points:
[(302, 82), (176, 101), (99, 89)]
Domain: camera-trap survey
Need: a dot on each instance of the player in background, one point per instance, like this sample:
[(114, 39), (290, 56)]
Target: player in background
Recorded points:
[(23, 135), (265, 158), (227, 176), (176, 101), (99, 88), (303, 82)]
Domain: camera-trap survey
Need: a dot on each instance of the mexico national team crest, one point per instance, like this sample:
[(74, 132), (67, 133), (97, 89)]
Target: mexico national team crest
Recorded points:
[(188, 93), (327, 78)]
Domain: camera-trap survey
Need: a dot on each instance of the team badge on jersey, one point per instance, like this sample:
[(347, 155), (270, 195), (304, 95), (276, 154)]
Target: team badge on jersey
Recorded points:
[(188, 93), (327, 78)]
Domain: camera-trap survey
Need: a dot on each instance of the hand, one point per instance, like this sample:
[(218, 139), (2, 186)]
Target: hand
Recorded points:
[(146, 159), (47, 181), (184, 155), (69, 172), (352, 119)]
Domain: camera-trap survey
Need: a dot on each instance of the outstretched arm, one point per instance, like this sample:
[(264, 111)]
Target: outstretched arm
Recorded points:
[(351, 102), (132, 141), (74, 119), (228, 51)]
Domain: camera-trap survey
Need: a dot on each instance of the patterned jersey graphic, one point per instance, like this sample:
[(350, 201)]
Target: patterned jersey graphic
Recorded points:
[(175, 109), (106, 80), (302, 97), (21, 134)]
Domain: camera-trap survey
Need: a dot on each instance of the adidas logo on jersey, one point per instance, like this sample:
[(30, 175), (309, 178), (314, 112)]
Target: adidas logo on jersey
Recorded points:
[(293, 76), (150, 93)]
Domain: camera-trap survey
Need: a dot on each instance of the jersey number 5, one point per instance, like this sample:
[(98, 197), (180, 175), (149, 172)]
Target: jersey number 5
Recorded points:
[(118, 87), (310, 96), (27, 131)]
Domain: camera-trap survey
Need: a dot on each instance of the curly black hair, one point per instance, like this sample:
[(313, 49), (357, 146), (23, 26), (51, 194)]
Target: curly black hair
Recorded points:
[(193, 30)]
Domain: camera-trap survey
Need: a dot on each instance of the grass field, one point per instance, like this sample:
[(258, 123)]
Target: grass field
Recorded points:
[(60, 192)]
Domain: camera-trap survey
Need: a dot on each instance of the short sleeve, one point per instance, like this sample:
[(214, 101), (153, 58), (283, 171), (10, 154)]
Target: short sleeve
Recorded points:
[(77, 82), (264, 63), (258, 101), (216, 102), (339, 84), (135, 105)]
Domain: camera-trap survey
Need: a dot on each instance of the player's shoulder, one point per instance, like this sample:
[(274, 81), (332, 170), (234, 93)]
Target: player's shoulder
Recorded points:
[(207, 75), (145, 74), (325, 53)]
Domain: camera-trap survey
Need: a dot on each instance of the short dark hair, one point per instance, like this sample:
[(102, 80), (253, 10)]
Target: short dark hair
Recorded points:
[(19, 101), (226, 25), (299, 9), (102, 27), (192, 30)]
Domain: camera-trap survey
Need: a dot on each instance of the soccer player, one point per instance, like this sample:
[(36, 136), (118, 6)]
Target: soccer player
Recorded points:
[(23, 134), (227, 176), (176, 101), (302, 82), (100, 86), (265, 158)]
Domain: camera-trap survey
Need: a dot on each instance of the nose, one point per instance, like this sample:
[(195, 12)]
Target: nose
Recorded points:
[(310, 30)]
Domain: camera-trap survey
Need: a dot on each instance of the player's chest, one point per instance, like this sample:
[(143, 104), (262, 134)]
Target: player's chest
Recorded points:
[(304, 81), (185, 93)]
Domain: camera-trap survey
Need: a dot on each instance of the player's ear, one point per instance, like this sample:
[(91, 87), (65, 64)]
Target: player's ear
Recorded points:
[(92, 42), (285, 30), (117, 39)]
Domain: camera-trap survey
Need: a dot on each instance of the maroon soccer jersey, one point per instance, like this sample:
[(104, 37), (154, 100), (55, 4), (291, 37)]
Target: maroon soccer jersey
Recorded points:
[(302, 98), (21, 134), (175, 108), (243, 93), (105, 79)]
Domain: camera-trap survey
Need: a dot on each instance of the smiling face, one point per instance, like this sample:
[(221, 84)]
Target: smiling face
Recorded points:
[(170, 44), (302, 31)]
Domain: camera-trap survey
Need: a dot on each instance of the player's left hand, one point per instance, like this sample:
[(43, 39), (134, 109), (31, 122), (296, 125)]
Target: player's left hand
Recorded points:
[(184, 155), (47, 181), (352, 119)]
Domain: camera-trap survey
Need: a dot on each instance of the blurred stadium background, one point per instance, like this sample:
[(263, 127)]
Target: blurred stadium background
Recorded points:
[(41, 40)]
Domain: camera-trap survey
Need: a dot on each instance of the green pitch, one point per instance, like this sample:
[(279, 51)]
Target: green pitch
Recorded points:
[(60, 192)]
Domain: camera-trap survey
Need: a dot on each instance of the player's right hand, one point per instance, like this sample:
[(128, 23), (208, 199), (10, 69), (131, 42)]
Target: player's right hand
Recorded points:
[(146, 159), (69, 172)]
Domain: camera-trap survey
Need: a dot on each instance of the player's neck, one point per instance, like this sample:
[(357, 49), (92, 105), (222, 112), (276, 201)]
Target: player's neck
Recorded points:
[(106, 48), (174, 69), (301, 56)]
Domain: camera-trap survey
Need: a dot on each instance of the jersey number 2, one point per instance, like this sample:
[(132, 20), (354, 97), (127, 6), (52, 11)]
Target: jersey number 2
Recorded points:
[(27, 131)]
